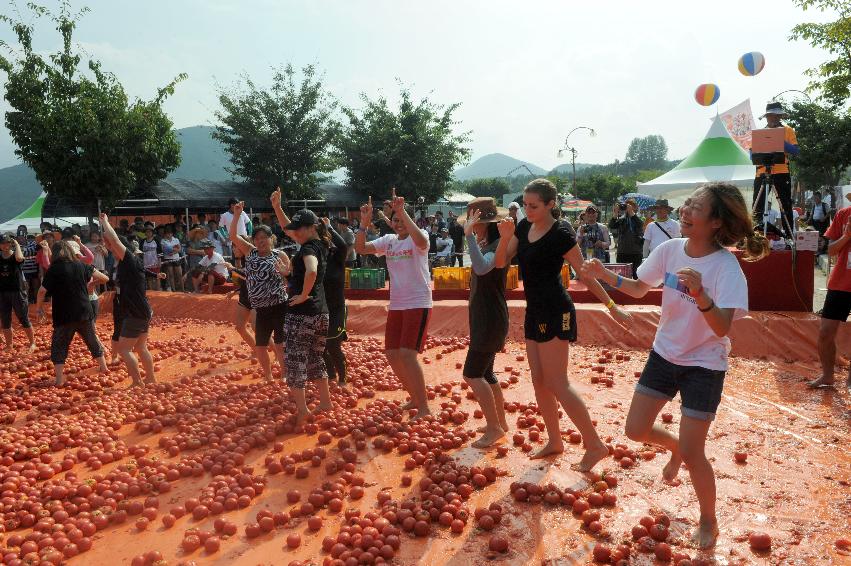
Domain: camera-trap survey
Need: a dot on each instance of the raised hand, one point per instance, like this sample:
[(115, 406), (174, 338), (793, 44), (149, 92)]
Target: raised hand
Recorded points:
[(396, 203), (325, 220), (506, 228), (366, 213), (238, 208), (104, 219), (276, 197), (472, 218)]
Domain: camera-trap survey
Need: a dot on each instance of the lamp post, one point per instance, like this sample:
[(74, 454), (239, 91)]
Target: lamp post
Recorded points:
[(792, 90), (573, 151)]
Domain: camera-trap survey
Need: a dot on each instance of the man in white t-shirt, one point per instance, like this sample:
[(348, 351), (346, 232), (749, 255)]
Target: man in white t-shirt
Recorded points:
[(243, 222), (444, 246), (211, 267), (663, 229), (172, 264), (405, 333)]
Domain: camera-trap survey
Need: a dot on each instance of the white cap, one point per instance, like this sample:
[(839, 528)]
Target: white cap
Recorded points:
[(513, 204)]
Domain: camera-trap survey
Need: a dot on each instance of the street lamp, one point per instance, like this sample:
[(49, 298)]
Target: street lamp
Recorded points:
[(793, 90), (573, 151)]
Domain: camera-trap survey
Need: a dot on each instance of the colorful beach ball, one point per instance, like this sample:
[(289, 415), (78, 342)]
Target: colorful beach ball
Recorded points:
[(751, 64), (707, 94)]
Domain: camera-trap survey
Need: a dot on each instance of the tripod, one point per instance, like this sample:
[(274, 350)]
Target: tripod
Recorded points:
[(767, 189)]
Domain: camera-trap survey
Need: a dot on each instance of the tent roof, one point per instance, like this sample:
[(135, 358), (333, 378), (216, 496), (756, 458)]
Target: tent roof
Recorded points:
[(34, 210), (717, 158)]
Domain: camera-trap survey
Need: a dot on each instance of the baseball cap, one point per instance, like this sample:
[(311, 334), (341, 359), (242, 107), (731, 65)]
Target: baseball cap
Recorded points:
[(205, 243), (301, 219)]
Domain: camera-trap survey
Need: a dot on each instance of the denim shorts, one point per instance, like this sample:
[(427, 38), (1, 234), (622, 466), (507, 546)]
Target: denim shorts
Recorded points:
[(700, 388)]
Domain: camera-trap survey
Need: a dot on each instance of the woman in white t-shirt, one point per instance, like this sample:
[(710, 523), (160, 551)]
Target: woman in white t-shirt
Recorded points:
[(410, 295), (704, 291)]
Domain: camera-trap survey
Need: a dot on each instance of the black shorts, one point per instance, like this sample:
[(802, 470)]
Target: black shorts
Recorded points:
[(134, 327), (243, 296), (63, 334), (837, 305), (700, 388), (479, 365), (14, 301), (337, 323), (542, 324), (270, 320)]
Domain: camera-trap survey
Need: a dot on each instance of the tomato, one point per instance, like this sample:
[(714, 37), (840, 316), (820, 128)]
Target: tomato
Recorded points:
[(760, 541)]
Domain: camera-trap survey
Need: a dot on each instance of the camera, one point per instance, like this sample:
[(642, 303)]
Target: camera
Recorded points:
[(621, 206)]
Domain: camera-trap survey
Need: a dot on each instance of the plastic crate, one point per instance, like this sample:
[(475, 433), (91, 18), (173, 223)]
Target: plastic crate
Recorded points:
[(451, 277), (363, 278), (512, 279)]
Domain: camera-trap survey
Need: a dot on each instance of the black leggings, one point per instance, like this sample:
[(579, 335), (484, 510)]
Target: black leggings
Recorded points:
[(270, 320), (335, 361)]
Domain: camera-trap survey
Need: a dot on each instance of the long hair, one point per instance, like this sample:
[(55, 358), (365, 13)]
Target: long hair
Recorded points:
[(324, 235), (62, 251), (728, 205)]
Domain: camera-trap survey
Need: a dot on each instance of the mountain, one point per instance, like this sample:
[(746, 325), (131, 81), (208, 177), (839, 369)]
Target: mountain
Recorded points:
[(495, 165), (202, 158), (567, 168)]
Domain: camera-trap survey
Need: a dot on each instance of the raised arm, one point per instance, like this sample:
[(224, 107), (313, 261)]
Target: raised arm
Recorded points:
[(507, 247), (19, 255), (243, 246), (398, 204), (282, 217), (361, 245), (99, 278), (110, 238), (86, 254)]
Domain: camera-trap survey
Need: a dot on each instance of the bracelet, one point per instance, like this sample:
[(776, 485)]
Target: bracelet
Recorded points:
[(709, 308), (619, 282), (611, 304)]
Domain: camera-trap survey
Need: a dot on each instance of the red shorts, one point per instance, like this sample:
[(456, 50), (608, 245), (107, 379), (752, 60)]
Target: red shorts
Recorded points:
[(407, 329)]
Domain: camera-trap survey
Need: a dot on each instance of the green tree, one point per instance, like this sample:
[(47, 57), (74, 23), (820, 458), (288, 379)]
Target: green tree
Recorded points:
[(832, 78), (649, 152), (824, 137), (80, 134), (413, 148), (280, 136), (494, 187)]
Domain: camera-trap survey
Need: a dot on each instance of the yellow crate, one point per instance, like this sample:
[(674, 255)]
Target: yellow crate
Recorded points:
[(512, 280), (451, 277)]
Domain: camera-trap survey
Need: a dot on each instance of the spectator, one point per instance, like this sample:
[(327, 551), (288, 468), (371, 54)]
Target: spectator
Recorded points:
[(662, 229), (443, 246), (29, 247), (99, 253), (630, 230), (349, 238), (124, 227), (594, 239), (438, 219), (819, 214), (219, 241), (42, 257), (45, 227), (172, 262), (456, 232), (242, 226), (211, 268), (422, 221), (384, 216), (151, 253), (514, 212), (139, 227), (194, 251), (837, 303), (13, 291)]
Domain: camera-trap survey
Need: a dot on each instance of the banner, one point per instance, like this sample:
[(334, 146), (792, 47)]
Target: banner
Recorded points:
[(739, 122)]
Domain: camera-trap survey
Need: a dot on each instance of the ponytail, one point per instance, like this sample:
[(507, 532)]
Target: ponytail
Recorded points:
[(324, 235)]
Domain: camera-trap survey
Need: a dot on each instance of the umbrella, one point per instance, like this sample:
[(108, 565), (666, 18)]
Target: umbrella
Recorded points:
[(644, 201), (576, 205)]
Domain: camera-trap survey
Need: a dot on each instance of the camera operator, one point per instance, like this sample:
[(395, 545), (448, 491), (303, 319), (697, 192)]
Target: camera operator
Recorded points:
[(779, 171), (630, 229), (594, 240)]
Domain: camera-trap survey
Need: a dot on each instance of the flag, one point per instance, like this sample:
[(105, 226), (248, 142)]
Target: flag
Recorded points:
[(739, 122)]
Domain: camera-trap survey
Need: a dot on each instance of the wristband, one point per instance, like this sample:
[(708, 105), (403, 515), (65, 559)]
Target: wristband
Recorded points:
[(611, 304), (709, 308), (619, 282)]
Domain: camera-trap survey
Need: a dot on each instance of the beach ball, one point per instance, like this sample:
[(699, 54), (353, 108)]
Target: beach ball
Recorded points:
[(751, 64), (707, 94)]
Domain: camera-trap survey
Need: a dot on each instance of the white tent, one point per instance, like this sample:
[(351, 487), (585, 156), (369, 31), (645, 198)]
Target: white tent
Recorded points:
[(717, 158), (31, 218)]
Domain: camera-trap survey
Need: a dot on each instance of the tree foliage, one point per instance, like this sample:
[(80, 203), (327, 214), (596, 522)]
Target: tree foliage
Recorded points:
[(79, 132), (494, 187), (280, 136), (832, 78), (414, 148), (649, 152), (824, 137)]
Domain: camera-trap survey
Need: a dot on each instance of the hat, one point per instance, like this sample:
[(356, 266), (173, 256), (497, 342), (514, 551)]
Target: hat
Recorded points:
[(662, 203), (5, 238), (301, 219), (232, 201), (513, 204), (774, 108), (196, 229), (446, 230), (488, 210), (592, 208), (205, 243)]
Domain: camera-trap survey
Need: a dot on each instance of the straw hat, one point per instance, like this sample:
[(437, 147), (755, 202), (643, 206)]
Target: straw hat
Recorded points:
[(488, 209), (197, 230)]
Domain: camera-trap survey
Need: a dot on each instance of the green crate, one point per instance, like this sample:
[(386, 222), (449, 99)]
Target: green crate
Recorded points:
[(363, 278)]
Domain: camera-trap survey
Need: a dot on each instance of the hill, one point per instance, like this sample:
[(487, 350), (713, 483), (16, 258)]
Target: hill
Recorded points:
[(495, 165), (567, 168)]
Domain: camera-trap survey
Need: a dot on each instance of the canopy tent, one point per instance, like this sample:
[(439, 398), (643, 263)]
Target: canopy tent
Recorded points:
[(31, 218), (717, 158), (575, 205)]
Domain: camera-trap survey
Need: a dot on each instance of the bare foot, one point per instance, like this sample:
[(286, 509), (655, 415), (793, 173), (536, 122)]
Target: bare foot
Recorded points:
[(31, 348), (484, 429), (300, 418), (421, 414), (550, 448), (322, 408), (591, 457), (821, 382), (672, 468), (409, 405), (489, 438), (706, 534)]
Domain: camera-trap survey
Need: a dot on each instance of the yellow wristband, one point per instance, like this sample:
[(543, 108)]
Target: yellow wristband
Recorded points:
[(611, 304)]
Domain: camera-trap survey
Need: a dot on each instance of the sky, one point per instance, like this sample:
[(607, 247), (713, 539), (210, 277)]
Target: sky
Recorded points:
[(525, 73)]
